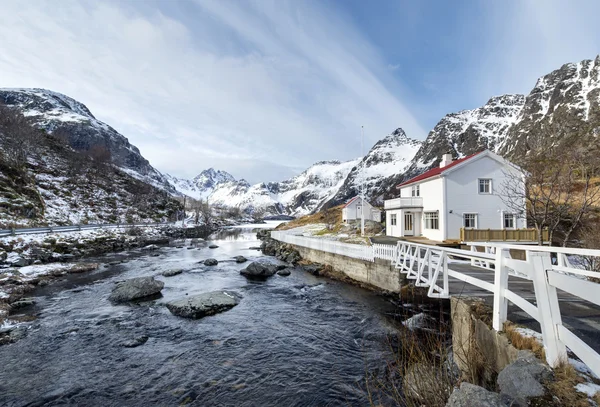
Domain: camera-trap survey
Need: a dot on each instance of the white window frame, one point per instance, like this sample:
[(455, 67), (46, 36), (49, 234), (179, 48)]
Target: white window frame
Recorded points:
[(431, 219), (416, 190), (475, 220), (514, 220), (393, 219), (479, 184)]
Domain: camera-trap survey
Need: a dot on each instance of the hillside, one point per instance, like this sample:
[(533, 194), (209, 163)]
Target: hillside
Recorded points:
[(45, 181)]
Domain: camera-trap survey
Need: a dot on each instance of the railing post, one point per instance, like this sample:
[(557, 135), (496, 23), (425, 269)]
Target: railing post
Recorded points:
[(549, 310), (500, 285)]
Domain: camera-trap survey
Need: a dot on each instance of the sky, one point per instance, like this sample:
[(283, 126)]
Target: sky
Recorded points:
[(265, 88)]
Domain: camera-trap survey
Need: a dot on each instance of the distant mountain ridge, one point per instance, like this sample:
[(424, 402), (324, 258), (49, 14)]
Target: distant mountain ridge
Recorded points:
[(562, 109)]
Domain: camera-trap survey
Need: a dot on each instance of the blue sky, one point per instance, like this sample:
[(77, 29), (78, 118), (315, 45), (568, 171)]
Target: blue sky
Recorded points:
[(264, 88)]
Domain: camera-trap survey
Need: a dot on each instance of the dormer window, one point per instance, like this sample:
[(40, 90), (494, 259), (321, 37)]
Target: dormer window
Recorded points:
[(416, 190)]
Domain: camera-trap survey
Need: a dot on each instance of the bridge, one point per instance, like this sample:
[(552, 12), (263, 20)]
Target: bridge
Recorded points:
[(547, 286)]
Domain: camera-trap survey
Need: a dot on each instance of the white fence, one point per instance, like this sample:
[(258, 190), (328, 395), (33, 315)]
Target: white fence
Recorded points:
[(548, 268), (431, 267), (362, 252)]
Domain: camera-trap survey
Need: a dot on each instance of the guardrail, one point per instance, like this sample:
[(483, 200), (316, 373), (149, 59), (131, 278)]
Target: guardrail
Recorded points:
[(356, 251), (548, 268), (74, 228)]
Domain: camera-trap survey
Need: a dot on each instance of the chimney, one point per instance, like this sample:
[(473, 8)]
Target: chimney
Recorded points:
[(446, 159)]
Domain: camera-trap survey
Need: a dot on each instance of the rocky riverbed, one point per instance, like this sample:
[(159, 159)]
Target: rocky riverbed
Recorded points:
[(294, 339)]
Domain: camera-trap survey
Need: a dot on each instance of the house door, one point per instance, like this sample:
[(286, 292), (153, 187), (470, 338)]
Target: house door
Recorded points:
[(408, 225)]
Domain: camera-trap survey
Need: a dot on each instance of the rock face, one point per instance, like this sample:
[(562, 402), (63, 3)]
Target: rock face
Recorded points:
[(524, 378), (470, 395), (135, 288), (64, 116), (202, 305), (259, 270)]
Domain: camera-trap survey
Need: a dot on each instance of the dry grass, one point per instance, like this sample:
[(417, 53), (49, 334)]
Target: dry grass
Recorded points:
[(563, 387), (319, 217), (522, 342)]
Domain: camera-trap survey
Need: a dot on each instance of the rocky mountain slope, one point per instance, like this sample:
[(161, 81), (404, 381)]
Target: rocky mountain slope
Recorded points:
[(201, 186), (72, 121), (45, 181)]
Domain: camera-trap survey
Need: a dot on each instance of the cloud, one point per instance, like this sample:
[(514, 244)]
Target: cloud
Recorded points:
[(256, 88)]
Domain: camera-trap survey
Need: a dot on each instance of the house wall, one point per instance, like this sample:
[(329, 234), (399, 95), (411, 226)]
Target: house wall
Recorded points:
[(432, 192), (351, 212), (391, 230), (462, 186)]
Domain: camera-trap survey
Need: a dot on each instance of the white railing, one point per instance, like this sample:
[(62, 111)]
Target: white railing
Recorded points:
[(385, 252), (362, 252), (427, 264), (409, 202)]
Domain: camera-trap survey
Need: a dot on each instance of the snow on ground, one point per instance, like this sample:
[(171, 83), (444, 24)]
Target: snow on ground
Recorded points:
[(588, 388)]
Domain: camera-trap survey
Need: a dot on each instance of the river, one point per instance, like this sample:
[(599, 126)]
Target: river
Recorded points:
[(292, 341)]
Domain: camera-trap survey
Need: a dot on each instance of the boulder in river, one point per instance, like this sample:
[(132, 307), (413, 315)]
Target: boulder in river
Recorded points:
[(258, 269), (135, 288), (135, 342), (202, 305), (171, 273), (285, 272), (211, 262), (240, 259), (213, 246), (150, 247)]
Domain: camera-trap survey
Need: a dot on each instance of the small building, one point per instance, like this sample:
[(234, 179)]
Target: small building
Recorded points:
[(353, 209), (458, 201)]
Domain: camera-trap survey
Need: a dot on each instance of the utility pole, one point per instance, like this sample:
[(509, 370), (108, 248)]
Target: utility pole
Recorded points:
[(362, 186)]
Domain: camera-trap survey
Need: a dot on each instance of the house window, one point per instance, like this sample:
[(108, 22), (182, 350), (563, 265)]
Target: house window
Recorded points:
[(509, 221), (393, 220), (432, 220), (416, 190), (485, 186), (470, 220)]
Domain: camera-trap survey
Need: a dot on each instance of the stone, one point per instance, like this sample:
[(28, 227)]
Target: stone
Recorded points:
[(213, 246), (199, 306), (3, 255), (179, 247), (314, 269), (240, 259), (150, 247), (285, 272), (211, 262), (171, 273), (24, 302), (254, 248), (135, 342), (19, 262), (190, 247), (470, 395), (524, 378), (135, 288), (259, 270)]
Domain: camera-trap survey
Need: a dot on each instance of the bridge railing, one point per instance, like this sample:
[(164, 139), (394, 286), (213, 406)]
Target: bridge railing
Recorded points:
[(548, 268)]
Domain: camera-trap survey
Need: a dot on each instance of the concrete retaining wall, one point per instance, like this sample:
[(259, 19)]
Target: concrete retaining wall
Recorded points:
[(380, 273)]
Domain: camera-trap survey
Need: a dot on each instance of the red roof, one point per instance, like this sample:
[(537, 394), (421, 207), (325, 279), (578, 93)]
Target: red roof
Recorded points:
[(350, 201), (436, 171)]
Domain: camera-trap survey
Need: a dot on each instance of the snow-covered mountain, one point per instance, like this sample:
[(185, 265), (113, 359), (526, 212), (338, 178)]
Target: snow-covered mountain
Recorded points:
[(71, 120), (389, 157), (203, 185)]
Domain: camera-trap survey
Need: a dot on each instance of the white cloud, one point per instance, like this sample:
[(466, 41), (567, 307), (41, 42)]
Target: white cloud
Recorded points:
[(259, 89)]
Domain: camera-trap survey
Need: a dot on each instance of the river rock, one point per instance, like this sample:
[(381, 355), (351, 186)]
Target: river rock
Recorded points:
[(150, 247), (470, 395), (202, 305), (285, 272), (213, 246), (240, 259), (211, 262), (171, 273), (135, 342), (24, 302), (259, 270), (19, 261), (3, 255), (522, 379), (135, 288)]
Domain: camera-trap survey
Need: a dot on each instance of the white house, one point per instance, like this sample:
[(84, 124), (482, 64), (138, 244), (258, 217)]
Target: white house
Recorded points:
[(458, 194), (352, 210)]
